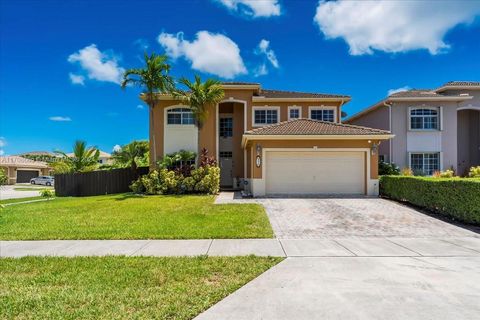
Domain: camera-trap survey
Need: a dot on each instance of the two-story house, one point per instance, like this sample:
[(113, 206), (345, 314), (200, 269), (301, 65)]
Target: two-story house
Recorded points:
[(435, 129), (274, 142)]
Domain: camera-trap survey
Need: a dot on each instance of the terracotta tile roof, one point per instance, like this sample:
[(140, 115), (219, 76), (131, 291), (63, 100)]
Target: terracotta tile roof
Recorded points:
[(21, 162), (462, 83), (238, 83), (422, 93), (295, 94), (314, 127)]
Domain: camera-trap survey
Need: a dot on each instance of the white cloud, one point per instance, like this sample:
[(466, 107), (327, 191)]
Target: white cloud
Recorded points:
[(77, 78), (98, 65), (140, 106), (3, 143), (212, 53), (393, 26), (261, 70), (264, 48), (401, 89), (254, 8), (142, 44), (117, 148), (60, 119)]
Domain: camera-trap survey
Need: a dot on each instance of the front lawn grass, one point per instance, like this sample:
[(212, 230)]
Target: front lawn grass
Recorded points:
[(120, 287), (15, 200), (128, 216)]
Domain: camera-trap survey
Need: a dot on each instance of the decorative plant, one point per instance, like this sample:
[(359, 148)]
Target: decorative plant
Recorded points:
[(131, 155), (444, 174), (154, 78), (84, 158), (3, 177), (47, 193), (385, 168), (201, 97), (407, 172), (474, 172)]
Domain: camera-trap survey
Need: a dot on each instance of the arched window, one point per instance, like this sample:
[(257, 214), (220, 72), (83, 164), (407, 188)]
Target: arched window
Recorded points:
[(180, 116), (424, 119)]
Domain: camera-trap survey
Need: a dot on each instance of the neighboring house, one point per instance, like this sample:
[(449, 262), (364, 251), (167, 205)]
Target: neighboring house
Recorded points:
[(21, 170), (435, 129), (44, 156), (104, 158), (274, 142)]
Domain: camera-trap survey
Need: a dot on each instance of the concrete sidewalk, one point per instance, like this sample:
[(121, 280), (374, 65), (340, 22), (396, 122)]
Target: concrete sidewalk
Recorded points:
[(341, 247)]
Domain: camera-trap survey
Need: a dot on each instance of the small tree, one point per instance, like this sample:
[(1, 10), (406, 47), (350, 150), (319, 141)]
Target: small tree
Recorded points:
[(84, 158), (3, 176), (153, 78), (131, 155), (201, 97)]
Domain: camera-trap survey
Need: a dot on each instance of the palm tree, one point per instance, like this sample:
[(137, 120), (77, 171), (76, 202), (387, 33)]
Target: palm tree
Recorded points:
[(83, 158), (153, 78), (201, 97), (131, 154)]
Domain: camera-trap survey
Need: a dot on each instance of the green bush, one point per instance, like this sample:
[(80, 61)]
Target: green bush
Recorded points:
[(457, 198), (3, 177), (47, 193), (390, 169), (205, 180), (474, 172)]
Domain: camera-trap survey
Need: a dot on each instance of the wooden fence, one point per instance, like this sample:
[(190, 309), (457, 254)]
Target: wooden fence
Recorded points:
[(96, 182)]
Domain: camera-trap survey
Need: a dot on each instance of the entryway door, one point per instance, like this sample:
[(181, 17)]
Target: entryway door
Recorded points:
[(315, 172), (226, 179)]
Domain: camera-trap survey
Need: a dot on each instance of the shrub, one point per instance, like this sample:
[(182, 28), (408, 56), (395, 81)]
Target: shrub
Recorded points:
[(444, 174), (407, 172), (390, 169), (474, 172), (3, 177), (456, 197), (47, 193), (204, 180)]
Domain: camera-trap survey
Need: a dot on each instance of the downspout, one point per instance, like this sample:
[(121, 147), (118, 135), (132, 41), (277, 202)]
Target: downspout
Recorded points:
[(389, 105)]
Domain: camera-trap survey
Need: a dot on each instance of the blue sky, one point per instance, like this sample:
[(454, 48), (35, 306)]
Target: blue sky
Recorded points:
[(61, 60)]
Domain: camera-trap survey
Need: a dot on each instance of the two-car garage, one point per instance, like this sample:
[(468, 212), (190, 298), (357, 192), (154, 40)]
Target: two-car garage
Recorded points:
[(314, 172)]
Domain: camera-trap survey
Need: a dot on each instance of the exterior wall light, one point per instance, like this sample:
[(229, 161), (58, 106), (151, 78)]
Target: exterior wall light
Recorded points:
[(374, 148), (258, 159)]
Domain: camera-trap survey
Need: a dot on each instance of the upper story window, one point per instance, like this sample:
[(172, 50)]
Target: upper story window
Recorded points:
[(324, 114), (265, 116), (294, 113), (225, 127), (180, 116), (424, 119)]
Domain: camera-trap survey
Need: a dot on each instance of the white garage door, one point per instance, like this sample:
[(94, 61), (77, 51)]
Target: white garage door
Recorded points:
[(315, 172)]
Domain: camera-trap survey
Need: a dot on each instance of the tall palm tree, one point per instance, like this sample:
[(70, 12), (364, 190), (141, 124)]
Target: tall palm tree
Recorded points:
[(201, 97), (153, 78), (83, 158), (130, 154)]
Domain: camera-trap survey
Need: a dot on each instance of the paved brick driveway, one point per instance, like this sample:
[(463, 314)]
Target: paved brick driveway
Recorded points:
[(362, 217)]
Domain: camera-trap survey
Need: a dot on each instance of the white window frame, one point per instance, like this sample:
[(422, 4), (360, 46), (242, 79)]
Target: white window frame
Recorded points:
[(294, 107), (335, 116), (177, 124), (254, 124), (440, 157), (439, 118)]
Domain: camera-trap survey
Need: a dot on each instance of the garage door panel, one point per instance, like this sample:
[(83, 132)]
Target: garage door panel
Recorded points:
[(24, 176), (315, 172)]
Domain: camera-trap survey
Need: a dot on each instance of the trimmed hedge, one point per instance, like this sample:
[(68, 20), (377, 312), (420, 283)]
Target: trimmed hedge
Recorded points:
[(458, 198)]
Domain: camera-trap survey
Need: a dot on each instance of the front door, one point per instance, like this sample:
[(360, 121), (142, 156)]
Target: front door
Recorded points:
[(226, 179), (226, 150)]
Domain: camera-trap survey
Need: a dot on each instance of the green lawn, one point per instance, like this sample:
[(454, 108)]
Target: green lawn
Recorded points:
[(120, 287), (20, 199), (128, 216)]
